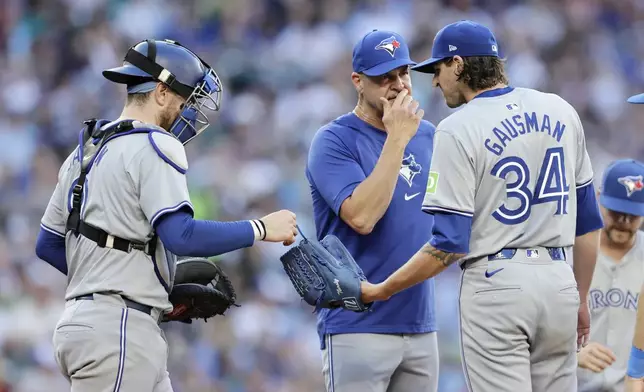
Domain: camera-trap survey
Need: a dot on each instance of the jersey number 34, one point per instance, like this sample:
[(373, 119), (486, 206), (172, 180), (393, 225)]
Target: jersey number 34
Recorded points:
[(551, 187)]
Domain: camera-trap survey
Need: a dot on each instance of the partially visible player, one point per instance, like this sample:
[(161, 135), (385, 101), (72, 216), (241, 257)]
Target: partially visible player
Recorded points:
[(634, 381), (512, 197), (116, 227), (635, 372), (367, 172), (617, 279)]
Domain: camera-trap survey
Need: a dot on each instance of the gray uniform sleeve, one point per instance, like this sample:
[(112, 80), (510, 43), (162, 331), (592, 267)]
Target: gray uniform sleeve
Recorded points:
[(54, 219), (583, 169), (452, 179), (158, 172)]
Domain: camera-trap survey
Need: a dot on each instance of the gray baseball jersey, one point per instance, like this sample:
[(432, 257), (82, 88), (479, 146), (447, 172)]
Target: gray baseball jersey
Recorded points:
[(613, 305), (129, 186), (511, 160), (134, 179), (511, 163)]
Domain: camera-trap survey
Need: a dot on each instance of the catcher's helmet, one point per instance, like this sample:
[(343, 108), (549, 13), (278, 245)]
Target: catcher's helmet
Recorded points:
[(152, 61)]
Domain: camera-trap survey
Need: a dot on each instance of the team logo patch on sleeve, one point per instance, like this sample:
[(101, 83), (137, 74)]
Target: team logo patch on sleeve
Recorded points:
[(432, 182)]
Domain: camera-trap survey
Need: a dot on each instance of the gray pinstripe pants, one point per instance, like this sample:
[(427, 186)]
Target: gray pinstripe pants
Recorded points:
[(103, 346)]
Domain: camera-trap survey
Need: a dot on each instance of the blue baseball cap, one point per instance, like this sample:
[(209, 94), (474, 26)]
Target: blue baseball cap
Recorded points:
[(623, 187), (639, 98), (464, 38), (379, 52)]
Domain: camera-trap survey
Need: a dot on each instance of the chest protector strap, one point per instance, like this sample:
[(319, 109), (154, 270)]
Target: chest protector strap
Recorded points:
[(92, 139)]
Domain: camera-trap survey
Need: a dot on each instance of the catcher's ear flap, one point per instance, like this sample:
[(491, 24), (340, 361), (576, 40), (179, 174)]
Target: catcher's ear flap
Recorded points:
[(196, 270)]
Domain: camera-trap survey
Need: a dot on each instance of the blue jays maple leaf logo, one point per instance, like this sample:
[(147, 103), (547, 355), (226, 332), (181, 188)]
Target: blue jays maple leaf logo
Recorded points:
[(409, 169), (632, 184), (389, 44)]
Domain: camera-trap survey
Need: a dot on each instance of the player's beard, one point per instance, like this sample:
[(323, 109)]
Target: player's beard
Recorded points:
[(454, 100), (452, 95), (620, 236), (167, 118), (370, 110)]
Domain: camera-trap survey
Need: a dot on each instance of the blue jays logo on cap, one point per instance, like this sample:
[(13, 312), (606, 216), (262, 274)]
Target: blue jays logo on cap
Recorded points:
[(632, 184), (389, 44), (622, 187)]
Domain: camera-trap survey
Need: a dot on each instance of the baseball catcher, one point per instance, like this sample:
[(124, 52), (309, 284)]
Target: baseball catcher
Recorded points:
[(325, 274), (121, 215), (201, 290)]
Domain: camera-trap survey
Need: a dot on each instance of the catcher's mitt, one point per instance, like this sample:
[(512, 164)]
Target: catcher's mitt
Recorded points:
[(325, 274), (201, 290)]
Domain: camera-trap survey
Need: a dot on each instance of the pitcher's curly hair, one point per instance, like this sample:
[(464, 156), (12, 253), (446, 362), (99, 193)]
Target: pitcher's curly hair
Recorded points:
[(481, 72)]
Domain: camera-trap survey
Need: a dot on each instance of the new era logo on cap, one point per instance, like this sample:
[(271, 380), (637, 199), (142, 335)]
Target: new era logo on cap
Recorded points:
[(452, 48)]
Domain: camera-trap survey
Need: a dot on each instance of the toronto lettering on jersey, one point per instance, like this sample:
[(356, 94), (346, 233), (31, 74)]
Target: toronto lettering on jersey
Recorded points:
[(614, 298), (518, 125)]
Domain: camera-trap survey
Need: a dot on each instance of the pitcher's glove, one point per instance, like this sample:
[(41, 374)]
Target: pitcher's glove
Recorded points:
[(325, 274), (201, 290)]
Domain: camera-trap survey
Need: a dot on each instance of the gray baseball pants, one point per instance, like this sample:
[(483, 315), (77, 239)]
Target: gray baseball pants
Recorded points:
[(381, 362), (101, 345), (519, 323)]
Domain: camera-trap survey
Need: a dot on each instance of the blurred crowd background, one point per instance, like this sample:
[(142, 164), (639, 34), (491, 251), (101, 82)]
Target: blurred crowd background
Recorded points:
[(286, 66)]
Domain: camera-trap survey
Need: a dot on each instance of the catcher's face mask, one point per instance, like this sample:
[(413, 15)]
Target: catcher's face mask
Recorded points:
[(193, 119)]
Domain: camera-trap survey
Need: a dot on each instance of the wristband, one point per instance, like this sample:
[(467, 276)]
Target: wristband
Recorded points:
[(259, 229), (636, 363), (263, 228)]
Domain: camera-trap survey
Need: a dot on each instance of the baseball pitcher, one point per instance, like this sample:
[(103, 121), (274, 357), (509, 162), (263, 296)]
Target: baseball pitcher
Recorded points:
[(121, 214), (512, 197), (617, 280)]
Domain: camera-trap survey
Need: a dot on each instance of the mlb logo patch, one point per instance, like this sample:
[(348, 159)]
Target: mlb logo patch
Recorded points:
[(532, 253)]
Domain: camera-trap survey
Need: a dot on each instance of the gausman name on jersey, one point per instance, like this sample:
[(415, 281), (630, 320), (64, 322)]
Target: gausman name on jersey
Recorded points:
[(522, 124)]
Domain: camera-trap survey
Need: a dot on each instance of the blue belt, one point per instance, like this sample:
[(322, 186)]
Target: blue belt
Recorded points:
[(556, 254)]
